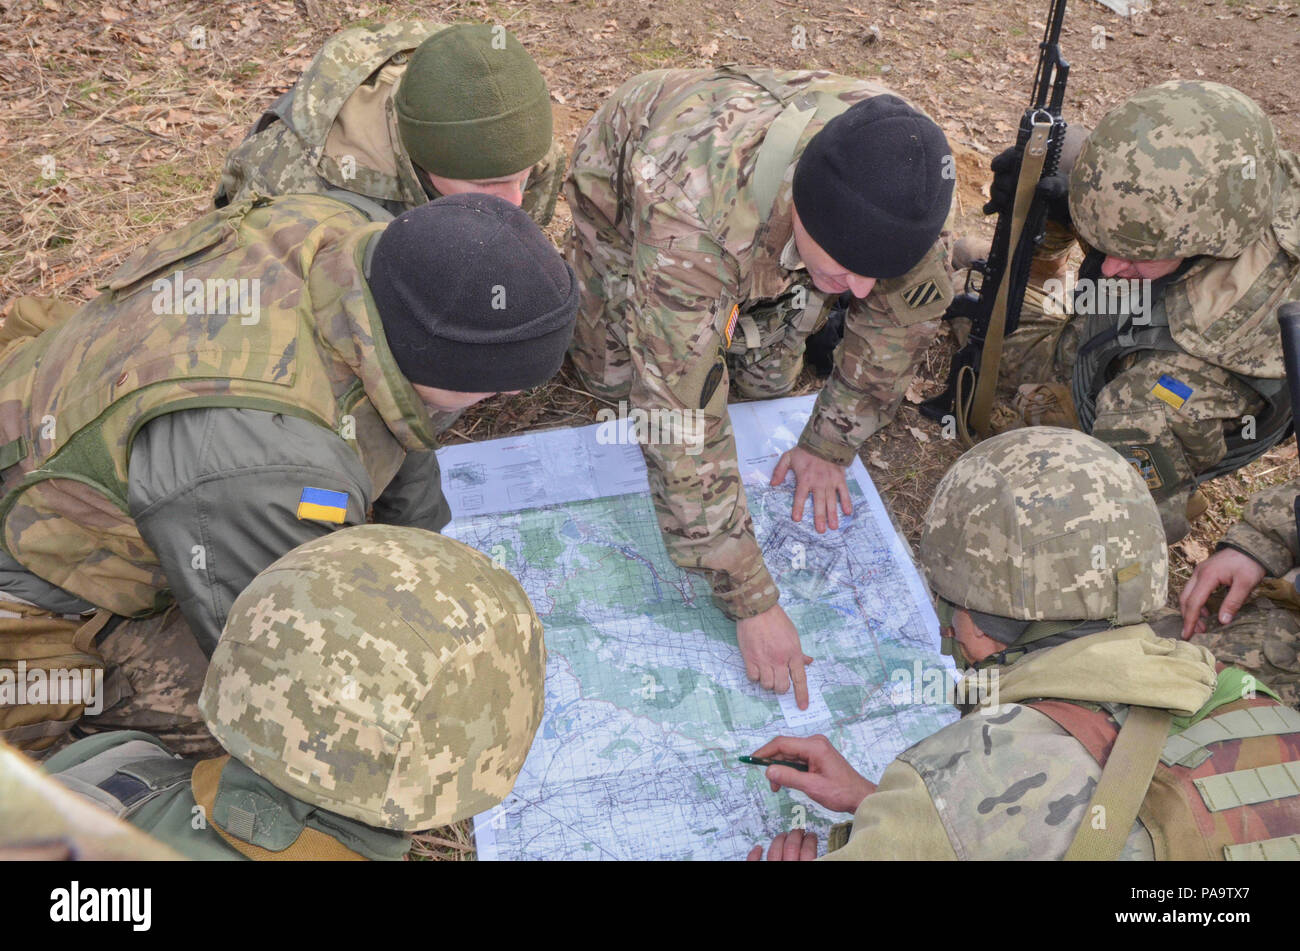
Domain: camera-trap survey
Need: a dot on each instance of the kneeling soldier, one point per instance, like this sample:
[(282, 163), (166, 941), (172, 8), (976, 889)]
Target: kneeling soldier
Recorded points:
[(714, 211), (404, 113), (1106, 740), (242, 385)]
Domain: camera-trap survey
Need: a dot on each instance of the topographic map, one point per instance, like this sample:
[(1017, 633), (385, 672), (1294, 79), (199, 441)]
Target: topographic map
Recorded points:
[(647, 703)]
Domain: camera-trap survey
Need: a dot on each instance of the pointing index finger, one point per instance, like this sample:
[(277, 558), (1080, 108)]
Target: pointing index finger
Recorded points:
[(800, 678)]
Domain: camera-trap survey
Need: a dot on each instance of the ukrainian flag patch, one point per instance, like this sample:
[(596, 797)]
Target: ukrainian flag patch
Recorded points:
[(1174, 392), (323, 505)]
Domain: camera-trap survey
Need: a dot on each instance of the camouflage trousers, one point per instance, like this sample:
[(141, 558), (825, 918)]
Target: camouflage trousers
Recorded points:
[(600, 350), (1043, 346), (1263, 640), (156, 667), (164, 666)]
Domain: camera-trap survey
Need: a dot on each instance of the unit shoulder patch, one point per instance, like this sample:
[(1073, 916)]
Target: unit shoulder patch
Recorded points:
[(927, 292)]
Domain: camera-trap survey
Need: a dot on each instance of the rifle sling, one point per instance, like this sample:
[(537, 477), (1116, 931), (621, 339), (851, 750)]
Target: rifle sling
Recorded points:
[(1122, 787), (1031, 168)]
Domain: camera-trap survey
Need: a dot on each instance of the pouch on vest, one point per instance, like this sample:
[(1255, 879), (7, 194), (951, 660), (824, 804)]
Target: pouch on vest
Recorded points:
[(173, 250), (1227, 787), (129, 771), (766, 323), (51, 674)]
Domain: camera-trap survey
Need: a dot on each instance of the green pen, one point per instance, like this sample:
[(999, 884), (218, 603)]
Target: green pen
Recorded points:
[(760, 761)]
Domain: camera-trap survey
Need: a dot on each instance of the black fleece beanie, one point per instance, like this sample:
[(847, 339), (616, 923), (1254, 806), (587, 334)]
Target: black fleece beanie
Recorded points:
[(873, 187), (472, 296)]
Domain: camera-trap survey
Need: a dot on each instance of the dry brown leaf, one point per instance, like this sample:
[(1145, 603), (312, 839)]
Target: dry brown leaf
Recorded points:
[(1193, 550), (920, 435)]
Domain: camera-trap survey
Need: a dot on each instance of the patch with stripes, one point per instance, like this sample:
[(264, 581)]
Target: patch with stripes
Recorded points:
[(927, 292)]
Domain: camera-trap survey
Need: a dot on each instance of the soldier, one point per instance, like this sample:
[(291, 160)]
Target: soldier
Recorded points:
[(1046, 553), (1191, 212), (371, 683), (403, 113), (1257, 560), (713, 211), (242, 385)]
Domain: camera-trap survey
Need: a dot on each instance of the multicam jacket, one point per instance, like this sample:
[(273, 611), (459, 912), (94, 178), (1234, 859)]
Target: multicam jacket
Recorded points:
[(691, 259), (336, 128), (160, 341)]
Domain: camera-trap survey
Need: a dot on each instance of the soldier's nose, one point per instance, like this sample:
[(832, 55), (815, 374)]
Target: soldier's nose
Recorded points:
[(1113, 266)]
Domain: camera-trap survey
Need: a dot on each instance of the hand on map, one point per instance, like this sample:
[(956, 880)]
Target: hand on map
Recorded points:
[(824, 480), (797, 845), (773, 656), (830, 780), (1226, 566)]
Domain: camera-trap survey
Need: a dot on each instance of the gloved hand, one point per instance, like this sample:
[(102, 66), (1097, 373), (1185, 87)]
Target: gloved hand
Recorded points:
[(1054, 189)]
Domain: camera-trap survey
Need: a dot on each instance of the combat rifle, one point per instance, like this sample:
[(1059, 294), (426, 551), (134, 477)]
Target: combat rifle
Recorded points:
[(993, 306)]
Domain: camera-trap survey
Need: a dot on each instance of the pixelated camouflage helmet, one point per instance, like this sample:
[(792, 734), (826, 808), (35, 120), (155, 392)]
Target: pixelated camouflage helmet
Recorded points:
[(1045, 524), (1180, 169), (387, 674)]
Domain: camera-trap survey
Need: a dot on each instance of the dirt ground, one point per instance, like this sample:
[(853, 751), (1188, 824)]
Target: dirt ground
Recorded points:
[(116, 117)]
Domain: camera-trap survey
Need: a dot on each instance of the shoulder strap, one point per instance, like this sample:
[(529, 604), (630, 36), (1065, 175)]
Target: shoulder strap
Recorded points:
[(367, 206), (1123, 785), (775, 154), (782, 139)]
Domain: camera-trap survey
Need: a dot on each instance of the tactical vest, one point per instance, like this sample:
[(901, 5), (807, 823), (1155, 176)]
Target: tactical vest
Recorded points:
[(1227, 787), (1108, 337), (73, 398)]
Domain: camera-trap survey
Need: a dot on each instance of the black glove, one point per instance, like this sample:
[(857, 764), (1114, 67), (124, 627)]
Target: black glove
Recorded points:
[(1002, 193), (1054, 190)]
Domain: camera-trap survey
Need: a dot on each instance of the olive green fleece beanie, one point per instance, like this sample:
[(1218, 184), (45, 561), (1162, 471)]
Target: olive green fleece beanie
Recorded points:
[(473, 105)]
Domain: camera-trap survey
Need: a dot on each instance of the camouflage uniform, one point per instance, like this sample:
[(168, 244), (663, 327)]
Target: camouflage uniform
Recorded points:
[(371, 683), (1213, 188), (690, 287), (336, 128), (157, 455), (1264, 637), (1051, 527)]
